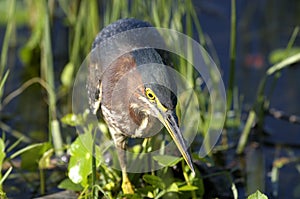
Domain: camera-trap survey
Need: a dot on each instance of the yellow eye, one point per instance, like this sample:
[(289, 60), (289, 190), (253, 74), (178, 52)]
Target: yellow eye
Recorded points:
[(150, 94)]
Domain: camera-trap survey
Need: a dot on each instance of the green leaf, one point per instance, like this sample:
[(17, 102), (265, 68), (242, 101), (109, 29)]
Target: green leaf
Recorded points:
[(69, 185), (167, 160), (146, 189), (280, 54), (67, 75), (188, 188), (71, 119), (257, 195), (80, 165), (132, 196), (173, 188), (284, 63), (198, 182), (154, 181), (75, 120), (44, 162), (32, 154)]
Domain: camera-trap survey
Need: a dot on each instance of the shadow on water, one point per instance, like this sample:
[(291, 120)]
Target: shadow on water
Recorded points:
[(263, 26)]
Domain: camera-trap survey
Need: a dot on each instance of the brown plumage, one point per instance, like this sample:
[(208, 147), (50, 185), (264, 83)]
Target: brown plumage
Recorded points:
[(130, 105)]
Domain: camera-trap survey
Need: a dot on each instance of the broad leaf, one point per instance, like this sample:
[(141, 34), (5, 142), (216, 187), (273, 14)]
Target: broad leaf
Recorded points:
[(69, 185), (280, 54), (67, 75), (167, 160), (257, 195), (80, 165), (173, 188), (188, 188), (72, 119), (154, 181), (44, 162), (32, 155)]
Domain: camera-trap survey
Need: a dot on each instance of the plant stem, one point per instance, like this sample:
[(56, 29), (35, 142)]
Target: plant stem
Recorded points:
[(48, 75), (94, 166), (8, 33), (257, 112), (42, 181), (244, 137), (189, 32), (293, 38), (284, 63), (5, 176), (232, 55), (4, 53), (186, 177), (2, 83)]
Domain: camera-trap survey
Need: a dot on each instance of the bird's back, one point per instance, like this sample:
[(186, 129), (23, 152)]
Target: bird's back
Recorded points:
[(95, 70), (118, 27)]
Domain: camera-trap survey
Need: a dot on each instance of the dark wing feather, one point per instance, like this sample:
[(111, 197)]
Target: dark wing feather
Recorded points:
[(95, 69)]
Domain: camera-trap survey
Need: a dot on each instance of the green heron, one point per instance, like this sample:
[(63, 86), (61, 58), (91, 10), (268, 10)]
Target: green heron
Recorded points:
[(140, 104)]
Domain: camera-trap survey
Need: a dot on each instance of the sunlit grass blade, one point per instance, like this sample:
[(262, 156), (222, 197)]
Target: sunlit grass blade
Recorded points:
[(48, 74), (156, 19), (196, 21), (245, 134), (69, 7), (293, 38), (283, 64), (27, 148), (7, 36), (116, 10), (16, 143), (2, 83), (189, 32), (5, 176)]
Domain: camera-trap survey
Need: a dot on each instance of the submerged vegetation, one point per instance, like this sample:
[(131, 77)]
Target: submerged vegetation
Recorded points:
[(53, 158)]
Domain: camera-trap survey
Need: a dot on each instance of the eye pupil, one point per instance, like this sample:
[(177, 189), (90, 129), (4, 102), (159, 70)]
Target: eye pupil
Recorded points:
[(150, 94)]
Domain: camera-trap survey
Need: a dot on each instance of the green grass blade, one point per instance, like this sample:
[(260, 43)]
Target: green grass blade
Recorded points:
[(19, 152), (293, 38), (283, 64), (155, 14), (5, 176), (8, 33), (16, 143), (48, 74), (77, 35), (232, 55), (189, 32), (2, 83), (198, 26), (244, 137)]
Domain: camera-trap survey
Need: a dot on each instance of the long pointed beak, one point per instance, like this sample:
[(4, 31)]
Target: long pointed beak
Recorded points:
[(170, 121)]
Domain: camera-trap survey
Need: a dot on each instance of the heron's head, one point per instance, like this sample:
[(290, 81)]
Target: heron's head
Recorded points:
[(161, 103)]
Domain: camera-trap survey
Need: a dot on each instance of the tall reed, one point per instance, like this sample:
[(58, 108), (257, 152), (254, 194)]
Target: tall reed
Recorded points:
[(232, 58), (47, 73), (4, 51)]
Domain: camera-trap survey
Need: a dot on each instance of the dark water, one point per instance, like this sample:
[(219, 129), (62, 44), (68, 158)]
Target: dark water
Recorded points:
[(262, 26)]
